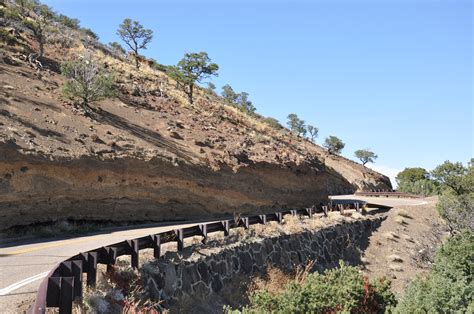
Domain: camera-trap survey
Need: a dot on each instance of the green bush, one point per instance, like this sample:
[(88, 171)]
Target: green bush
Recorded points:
[(88, 80), (344, 290), (423, 187), (272, 122), (448, 288), (457, 210)]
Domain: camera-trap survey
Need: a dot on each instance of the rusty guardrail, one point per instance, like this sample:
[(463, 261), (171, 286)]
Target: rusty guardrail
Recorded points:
[(387, 193), (65, 282)]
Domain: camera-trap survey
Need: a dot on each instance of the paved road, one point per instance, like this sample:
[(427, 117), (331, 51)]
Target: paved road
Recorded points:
[(23, 265), (386, 201)]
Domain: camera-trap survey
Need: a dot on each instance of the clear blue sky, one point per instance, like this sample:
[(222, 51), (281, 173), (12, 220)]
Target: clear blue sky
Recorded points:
[(393, 76)]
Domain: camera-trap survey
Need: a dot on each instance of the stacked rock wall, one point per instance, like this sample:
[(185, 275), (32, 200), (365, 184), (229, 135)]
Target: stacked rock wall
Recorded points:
[(180, 280)]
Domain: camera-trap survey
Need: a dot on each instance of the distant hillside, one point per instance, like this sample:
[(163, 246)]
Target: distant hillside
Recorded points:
[(145, 154)]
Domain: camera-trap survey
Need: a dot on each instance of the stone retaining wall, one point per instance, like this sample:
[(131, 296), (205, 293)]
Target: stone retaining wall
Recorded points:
[(178, 280)]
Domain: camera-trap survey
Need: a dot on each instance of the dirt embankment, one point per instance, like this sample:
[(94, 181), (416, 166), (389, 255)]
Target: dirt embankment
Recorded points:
[(404, 245), (146, 154)]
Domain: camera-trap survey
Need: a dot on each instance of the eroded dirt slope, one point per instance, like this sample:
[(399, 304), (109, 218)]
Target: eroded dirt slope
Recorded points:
[(146, 154), (404, 245)]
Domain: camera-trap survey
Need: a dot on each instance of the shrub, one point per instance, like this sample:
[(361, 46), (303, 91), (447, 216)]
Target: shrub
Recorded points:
[(457, 210), (88, 80), (67, 21), (90, 33), (448, 288), (423, 187), (272, 122), (343, 289)]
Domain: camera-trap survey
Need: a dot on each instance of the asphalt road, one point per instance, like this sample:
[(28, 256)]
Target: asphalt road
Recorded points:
[(23, 265)]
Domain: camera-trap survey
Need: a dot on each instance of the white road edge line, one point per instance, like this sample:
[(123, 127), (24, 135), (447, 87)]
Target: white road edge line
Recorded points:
[(22, 283)]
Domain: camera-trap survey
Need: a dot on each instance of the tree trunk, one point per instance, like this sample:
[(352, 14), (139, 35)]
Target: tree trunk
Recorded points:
[(41, 48), (137, 63), (190, 94)]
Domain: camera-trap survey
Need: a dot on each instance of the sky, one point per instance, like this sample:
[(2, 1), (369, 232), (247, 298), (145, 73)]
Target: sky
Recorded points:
[(394, 76)]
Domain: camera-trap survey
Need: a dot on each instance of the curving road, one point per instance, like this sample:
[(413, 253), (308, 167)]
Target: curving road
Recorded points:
[(24, 264)]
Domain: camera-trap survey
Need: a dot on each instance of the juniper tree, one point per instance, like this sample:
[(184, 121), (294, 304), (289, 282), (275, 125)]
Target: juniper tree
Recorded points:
[(229, 94), (313, 132), (36, 17), (296, 124), (135, 36), (365, 156), (117, 47), (192, 69), (334, 145)]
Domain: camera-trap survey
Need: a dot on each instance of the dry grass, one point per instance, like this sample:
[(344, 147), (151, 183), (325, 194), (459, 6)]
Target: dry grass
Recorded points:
[(399, 220), (274, 281), (395, 267), (271, 229), (407, 238), (391, 236), (292, 224), (394, 258), (403, 213)]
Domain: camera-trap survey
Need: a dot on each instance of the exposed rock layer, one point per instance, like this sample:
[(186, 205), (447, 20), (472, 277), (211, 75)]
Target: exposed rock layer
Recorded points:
[(35, 189)]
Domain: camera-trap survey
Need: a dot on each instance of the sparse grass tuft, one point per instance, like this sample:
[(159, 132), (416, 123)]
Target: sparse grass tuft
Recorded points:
[(394, 258), (395, 267), (292, 223), (399, 220), (403, 213), (391, 236)]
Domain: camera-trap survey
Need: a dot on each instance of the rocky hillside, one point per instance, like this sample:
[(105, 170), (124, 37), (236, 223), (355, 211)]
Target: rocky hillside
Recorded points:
[(145, 155)]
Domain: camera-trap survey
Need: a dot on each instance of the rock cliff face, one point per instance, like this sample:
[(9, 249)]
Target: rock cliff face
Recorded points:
[(147, 155), (35, 189)]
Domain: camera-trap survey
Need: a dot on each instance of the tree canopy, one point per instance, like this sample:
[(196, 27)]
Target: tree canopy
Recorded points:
[(135, 36), (333, 144), (296, 124), (450, 174), (365, 156), (192, 69), (313, 132)]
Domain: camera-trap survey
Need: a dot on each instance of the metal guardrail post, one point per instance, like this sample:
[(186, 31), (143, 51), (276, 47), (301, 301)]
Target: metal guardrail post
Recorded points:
[(52, 293), (77, 274), (325, 210), (156, 244), (110, 254), (179, 239), (66, 295), (133, 251), (225, 227), (203, 228), (245, 222), (279, 216), (91, 268)]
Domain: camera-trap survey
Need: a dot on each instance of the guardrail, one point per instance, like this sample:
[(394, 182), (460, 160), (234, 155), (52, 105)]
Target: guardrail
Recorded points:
[(65, 282), (387, 193)]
